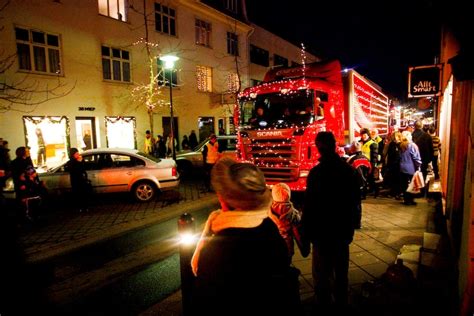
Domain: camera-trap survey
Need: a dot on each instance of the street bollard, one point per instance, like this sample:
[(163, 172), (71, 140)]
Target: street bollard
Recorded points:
[(187, 245)]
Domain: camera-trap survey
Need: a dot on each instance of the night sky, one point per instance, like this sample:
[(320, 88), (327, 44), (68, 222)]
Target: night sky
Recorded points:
[(380, 39)]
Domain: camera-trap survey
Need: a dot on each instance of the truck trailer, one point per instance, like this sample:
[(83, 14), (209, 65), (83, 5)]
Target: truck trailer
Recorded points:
[(279, 119)]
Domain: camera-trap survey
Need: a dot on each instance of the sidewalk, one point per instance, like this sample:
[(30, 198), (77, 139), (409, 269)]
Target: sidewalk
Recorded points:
[(388, 227)]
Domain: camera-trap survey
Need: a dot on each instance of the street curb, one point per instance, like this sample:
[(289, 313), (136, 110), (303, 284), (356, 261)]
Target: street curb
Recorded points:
[(34, 255)]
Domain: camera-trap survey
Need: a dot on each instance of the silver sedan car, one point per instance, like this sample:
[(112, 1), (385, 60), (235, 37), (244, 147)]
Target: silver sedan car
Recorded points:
[(119, 170)]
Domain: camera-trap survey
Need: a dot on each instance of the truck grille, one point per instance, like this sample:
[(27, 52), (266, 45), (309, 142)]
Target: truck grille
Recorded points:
[(276, 157)]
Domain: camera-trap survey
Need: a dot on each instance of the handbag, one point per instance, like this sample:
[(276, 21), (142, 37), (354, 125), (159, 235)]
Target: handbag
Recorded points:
[(419, 181)]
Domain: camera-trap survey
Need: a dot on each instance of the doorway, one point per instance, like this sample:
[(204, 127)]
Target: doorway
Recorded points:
[(86, 136), (165, 122)]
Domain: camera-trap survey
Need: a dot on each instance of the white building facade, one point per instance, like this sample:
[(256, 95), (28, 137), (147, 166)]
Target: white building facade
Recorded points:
[(72, 71)]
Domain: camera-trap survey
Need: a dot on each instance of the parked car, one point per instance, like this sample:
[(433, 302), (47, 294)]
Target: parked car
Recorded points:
[(117, 170), (190, 161)]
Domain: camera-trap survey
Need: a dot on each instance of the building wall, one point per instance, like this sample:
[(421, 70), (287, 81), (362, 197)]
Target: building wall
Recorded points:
[(83, 30), (275, 45)]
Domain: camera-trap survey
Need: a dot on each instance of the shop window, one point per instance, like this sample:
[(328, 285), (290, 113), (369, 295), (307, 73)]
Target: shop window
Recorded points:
[(165, 19), (116, 9), (120, 131), (48, 139), (38, 51), (206, 127)]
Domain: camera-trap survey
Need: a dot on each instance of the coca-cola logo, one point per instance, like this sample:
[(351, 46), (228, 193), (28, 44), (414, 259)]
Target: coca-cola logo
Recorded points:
[(269, 133)]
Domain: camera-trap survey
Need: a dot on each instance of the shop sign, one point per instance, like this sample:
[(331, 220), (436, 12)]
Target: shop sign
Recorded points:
[(424, 81), (86, 108)]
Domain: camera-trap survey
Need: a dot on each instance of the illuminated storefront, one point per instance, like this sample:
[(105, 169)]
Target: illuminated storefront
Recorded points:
[(48, 139), (120, 131)]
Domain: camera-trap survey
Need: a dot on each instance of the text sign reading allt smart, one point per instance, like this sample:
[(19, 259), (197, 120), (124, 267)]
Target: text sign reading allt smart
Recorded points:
[(424, 81)]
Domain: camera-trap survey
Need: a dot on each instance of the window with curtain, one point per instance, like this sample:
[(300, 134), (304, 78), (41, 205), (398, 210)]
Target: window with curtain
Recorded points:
[(203, 33), (38, 51), (204, 78)]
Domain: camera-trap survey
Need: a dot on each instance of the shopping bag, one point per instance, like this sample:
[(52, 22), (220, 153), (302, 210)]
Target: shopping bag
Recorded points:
[(412, 187), (419, 181)]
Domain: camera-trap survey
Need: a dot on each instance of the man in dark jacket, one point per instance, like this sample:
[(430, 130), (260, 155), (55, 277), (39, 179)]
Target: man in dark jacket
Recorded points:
[(425, 146), (330, 211), (79, 182)]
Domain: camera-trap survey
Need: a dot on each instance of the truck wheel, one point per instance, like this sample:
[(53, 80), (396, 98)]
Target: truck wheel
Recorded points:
[(144, 191)]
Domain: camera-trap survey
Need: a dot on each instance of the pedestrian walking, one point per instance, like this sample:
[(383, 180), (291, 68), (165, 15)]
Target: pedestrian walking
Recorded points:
[(160, 147), (410, 161), (241, 262), (329, 217), (80, 184), (425, 147), (288, 220), (185, 143)]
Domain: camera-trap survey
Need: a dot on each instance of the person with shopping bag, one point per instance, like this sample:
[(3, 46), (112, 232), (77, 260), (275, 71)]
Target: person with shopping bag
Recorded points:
[(410, 162)]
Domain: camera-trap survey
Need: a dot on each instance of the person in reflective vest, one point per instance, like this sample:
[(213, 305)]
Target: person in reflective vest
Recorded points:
[(210, 155), (370, 150)]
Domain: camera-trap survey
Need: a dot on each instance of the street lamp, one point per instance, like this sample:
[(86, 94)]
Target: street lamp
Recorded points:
[(169, 61)]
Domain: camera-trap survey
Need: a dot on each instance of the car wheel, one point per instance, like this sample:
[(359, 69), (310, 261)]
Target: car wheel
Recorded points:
[(185, 168), (144, 191)]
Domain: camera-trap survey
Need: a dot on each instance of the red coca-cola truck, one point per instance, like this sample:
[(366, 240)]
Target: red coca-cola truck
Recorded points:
[(278, 119)]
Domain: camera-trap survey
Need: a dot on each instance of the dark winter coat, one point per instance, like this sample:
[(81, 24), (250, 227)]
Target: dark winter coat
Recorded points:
[(244, 271), (332, 201)]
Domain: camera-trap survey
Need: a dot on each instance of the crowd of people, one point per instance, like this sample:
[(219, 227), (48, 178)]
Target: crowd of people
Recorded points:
[(31, 193), (163, 148), (235, 270)]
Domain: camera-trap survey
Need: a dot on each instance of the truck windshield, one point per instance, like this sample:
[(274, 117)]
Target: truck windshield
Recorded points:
[(277, 109)]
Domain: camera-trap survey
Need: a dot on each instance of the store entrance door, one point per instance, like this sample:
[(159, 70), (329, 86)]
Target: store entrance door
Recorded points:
[(86, 135)]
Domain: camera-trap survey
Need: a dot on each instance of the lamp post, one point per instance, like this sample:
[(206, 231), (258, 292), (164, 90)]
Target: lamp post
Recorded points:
[(169, 61)]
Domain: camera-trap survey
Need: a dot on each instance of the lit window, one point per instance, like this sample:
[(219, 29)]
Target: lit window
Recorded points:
[(115, 64), (38, 51), (204, 78), (232, 44), (165, 19), (203, 33), (116, 9), (232, 82)]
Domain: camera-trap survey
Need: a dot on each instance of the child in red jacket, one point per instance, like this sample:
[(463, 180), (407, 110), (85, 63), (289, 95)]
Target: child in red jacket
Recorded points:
[(288, 219)]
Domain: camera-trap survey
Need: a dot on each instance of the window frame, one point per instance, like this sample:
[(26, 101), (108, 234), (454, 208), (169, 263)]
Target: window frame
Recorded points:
[(163, 75), (30, 54), (203, 33), (278, 58), (259, 56), (232, 43), (112, 62), (166, 16), (207, 78), (122, 14)]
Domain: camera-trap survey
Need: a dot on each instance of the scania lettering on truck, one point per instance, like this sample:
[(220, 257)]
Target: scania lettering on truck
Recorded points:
[(278, 119)]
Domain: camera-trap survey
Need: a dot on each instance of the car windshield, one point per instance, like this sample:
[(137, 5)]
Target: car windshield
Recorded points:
[(277, 109)]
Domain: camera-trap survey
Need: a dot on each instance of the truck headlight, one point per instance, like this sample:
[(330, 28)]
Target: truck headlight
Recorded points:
[(304, 173)]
